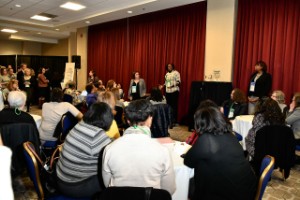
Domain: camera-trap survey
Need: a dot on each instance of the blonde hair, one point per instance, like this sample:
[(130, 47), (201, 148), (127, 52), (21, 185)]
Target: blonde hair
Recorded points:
[(279, 95), (107, 97)]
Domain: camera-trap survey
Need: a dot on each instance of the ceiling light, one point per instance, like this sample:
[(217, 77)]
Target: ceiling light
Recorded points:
[(87, 22), (18, 5), (40, 17), (39, 33), (57, 29), (8, 30), (129, 11), (72, 6)]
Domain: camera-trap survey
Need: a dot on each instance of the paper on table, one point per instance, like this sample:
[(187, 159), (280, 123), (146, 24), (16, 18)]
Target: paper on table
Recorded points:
[(181, 148)]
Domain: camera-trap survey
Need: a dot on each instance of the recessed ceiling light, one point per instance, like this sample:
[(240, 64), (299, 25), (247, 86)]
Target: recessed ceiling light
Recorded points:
[(57, 29), (18, 5), (40, 17), (87, 22), (72, 6), (6, 30), (129, 11), (39, 33)]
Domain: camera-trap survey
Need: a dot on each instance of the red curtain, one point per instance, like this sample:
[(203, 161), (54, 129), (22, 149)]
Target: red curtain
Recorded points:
[(146, 43), (269, 30)]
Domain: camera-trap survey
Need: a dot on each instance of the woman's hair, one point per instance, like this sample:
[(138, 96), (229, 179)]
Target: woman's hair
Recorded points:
[(41, 69), (297, 99), (116, 93), (110, 84), (16, 99), (262, 64), (211, 120), (99, 114), (10, 84), (156, 94), (173, 66), (107, 97), (57, 95), (270, 110), (279, 96), (133, 74), (239, 96), (207, 103), (138, 111)]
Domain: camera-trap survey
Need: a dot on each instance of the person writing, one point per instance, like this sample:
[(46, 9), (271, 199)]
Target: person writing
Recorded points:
[(259, 86)]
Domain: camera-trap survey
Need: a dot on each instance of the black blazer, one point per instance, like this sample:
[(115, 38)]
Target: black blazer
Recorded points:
[(263, 85)]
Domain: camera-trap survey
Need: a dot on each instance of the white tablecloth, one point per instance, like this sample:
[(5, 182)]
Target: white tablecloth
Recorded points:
[(182, 172), (37, 119), (242, 124)]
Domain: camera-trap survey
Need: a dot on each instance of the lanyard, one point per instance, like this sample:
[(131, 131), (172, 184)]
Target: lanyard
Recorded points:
[(143, 130)]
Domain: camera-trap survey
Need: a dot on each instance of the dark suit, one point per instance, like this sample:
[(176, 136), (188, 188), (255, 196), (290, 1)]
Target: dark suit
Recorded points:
[(263, 85)]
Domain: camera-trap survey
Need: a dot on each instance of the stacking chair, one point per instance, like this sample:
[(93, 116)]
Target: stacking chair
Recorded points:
[(134, 193), (266, 169), (68, 121), (297, 151)]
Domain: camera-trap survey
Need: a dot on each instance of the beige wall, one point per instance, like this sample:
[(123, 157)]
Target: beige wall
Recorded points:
[(60, 49), (31, 48), (82, 36), (220, 34), (10, 47)]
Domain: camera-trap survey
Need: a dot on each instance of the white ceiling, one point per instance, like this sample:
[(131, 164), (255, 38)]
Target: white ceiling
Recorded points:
[(96, 11)]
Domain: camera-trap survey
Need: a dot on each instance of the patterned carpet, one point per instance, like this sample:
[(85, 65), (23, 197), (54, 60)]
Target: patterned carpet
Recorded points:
[(276, 189)]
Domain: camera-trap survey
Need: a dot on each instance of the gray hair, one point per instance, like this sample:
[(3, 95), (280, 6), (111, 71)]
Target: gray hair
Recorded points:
[(16, 99), (279, 95)]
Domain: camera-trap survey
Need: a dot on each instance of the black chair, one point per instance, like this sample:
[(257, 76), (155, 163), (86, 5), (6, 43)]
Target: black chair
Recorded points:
[(161, 121), (277, 141), (134, 193), (266, 169)]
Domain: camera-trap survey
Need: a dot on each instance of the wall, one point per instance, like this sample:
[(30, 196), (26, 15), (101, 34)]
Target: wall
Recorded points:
[(220, 35), (31, 48), (10, 47), (82, 36), (60, 49)]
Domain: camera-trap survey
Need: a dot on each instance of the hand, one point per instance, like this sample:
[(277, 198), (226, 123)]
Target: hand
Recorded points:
[(160, 87), (292, 106)]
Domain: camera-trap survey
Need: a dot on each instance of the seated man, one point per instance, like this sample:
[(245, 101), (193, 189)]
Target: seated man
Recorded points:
[(135, 159), (52, 113)]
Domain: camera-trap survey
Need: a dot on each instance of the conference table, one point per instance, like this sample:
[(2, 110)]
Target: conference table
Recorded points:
[(242, 124), (182, 172)]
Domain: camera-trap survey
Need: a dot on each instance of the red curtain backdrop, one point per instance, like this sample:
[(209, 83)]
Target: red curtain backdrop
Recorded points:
[(269, 30), (146, 43)]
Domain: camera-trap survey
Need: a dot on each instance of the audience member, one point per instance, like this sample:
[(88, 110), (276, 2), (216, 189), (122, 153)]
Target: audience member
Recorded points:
[(28, 83), (92, 77), (236, 105), (77, 166), (267, 112), (221, 170), (135, 159), (157, 97), (4, 78), (109, 98), (13, 85), (293, 116), (52, 113), (91, 96), (137, 87), (110, 85), (20, 75), (279, 96)]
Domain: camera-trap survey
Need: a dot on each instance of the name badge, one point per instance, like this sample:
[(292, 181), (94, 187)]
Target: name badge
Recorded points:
[(168, 84), (231, 113), (252, 86), (133, 89)]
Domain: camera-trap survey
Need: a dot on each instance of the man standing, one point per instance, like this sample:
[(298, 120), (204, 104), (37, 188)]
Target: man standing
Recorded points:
[(20, 76), (172, 82)]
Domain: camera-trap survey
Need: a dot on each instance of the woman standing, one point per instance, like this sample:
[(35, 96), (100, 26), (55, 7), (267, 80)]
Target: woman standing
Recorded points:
[(259, 86), (137, 87), (92, 78), (43, 85), (28, 82), (221, 170)]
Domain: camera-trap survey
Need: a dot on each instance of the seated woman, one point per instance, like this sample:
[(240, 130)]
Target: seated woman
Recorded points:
[(135, 159), (78, 163), (236, 105), (13, 85), (109, 98), (221, 170), (157, 97), (293, 116), (119, 108), (15, 113), (267, 112), (52, 113), (279, 96)]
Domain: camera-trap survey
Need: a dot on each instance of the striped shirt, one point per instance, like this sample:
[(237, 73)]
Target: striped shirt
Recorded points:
[(172, 79), (79, 157)]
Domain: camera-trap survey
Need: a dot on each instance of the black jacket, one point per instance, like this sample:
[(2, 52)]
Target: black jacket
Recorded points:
[(162, 119), (263, 85)]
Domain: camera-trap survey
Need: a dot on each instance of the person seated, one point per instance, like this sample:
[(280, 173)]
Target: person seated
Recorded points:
[(279, 96), (221, 170), (77, 166), (71, 91), (52, 113), (14, 113), (135, 159), (119, 108), (109, 98), (121, 91), (91, 96), (236, 105), (110, 85), (13, 85), (267, 112), (4, 78), (293, 117), (157, 97)]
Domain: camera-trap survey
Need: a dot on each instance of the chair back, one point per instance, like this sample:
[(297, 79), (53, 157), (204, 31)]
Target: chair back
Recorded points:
[(162, 119), (68, 121), (277, 141), (33, 163), (134, 193), (266, 169)]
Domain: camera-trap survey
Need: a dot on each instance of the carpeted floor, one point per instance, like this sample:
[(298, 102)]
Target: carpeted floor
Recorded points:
[(276, 189)]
